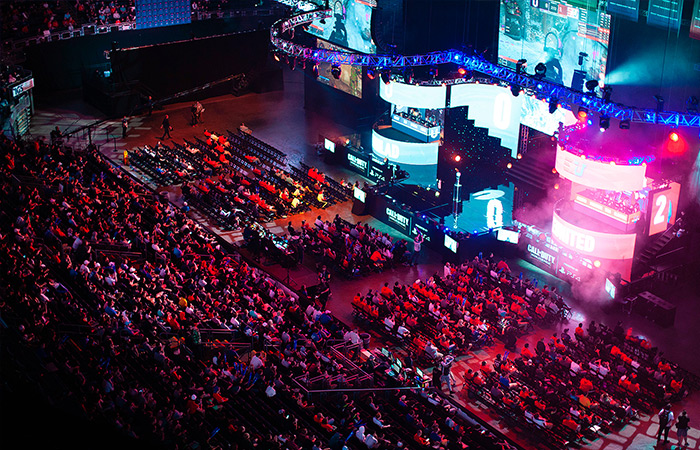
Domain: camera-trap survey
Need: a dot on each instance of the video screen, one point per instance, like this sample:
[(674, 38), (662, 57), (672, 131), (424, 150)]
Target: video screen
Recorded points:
[(451, 243), (488, 209), (359, 194), (665, 13), (329, 145), (629, 9), (508, 236), (695, 21), (350, 79), (561, 36), (535, 114), (350, 26), (610, 288)]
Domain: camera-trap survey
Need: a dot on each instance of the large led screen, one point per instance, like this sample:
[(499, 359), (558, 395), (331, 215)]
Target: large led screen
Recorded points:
[(628, 9), (487, 209), (350, 80), (492, 107), (663, 208), (598, 174), (535, 114), (414, 96), (665, 13), (561, 36), (350, 25)]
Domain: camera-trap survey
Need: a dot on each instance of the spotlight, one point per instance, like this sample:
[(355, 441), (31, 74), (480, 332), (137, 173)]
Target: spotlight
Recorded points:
[(582, 113), (515, 90), (276, 56), (540, 70), (604, 123), (625, 124), (462, 71), (591, 85), (556, 186), (314, 70), (335, 71), (371, 74), (433, 72), (520, 65), (385, 75), (458, 158), (553, 102), (520, 156), (509, 165), (674, 136), (596, 263), (659, 103)]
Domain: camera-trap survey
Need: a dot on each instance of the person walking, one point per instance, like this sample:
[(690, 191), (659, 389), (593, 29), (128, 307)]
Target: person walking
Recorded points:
[(682, 428), (417, 243), (166, 127), (665, 422), (125, 127)]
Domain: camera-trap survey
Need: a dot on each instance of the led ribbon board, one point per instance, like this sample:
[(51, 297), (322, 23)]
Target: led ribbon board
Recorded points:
[(598, 174)]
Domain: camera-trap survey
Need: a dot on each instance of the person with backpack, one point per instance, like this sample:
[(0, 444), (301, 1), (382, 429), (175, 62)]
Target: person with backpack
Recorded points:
[(682, 428), (665, 422)]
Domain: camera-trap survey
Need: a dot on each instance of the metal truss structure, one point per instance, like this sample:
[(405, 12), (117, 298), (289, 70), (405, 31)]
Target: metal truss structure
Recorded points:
[(531, 83)]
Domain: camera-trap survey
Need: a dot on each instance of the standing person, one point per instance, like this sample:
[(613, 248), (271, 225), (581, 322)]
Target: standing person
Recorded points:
[(166, 127), (665, 422), (125, 127), (682, 428), (417, 242), (446, 372)]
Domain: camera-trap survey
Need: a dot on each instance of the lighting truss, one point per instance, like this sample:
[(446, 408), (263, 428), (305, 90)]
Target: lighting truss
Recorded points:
[(541, 89)]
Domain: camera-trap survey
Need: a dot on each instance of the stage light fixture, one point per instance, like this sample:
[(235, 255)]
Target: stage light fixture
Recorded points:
[(553, 103), (674, 136), (625, 124), (604, 123), (591, 85), (556, 186), (509, 165), (515, 90), (276, 56), (371, 74), (540, 70), (596, 263), (314, 71), (457, 158), (520, 66), (659, 103), (385, 75), (582, 113), (335, 71), (462, 71)]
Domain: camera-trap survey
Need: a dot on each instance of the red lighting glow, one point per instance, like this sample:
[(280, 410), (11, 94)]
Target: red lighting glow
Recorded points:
[(462, 71), (582, 115), (674, 136)]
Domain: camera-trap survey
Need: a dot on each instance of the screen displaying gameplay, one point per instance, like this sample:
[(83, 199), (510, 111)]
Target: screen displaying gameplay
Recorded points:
[(350, 80), (350, 26), (565, 38)]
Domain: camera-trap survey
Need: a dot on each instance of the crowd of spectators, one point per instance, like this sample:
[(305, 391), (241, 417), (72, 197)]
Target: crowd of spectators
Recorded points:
[(32, 18), (124, 311), (570, 387)]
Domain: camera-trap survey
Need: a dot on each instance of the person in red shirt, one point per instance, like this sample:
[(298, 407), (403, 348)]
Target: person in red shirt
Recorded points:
[(526, 352)]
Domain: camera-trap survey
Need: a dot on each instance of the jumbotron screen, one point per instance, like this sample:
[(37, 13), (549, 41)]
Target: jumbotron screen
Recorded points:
[(350, 26), (562, 36), (350, 79)]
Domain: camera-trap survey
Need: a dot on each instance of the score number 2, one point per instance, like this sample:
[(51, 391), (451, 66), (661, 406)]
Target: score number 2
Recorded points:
[(660, 216)]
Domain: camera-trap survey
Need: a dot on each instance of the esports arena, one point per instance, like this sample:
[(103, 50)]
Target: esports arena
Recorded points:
[(350, 224)]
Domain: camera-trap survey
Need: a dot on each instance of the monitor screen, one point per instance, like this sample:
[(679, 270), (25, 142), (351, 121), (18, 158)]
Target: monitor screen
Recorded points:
[(398, 363), (419, 373), (350, 26), (563, 35), (350, 78), (508, 236), (451, 243), (395, 368), (385, 352), (329, 145), (359, 194), (610, 287)]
